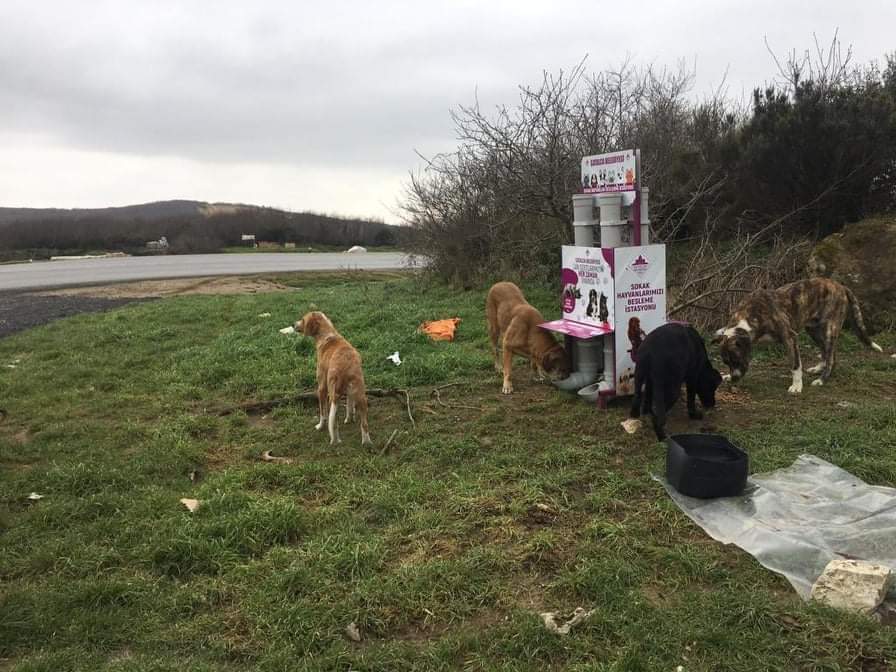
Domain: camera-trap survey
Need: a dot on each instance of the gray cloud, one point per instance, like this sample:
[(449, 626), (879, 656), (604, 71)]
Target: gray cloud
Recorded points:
[(353, 85)]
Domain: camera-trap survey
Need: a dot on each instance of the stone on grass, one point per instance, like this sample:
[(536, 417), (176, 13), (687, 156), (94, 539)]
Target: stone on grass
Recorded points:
[(853, 585), (352, 632)]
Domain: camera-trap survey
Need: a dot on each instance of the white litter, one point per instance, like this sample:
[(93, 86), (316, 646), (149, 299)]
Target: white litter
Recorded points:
[(34, 496), (264, 314), (191, 504), (288, 330), (550, 619), (631, 425), (394, 358)]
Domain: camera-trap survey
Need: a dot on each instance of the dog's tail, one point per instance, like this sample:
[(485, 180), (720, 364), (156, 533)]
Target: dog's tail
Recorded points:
[(858, 323)]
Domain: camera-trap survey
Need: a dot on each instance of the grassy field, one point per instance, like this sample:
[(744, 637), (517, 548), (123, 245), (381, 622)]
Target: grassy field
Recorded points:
[(442, 549)]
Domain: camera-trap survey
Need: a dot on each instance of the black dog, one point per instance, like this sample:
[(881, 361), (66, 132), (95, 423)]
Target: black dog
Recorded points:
[(592, 303), (671, 355), (604, 310)]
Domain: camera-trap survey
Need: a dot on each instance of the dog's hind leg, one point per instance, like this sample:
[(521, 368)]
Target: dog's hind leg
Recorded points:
[(829, 351), (321, 406), (789, 338), (348, 407), (817, 334), (360, 406), (332, 426)]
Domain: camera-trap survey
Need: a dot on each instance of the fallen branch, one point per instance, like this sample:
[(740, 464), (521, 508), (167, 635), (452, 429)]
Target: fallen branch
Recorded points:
[(436, 393), (389, 442), (267, 457), (307, 397)]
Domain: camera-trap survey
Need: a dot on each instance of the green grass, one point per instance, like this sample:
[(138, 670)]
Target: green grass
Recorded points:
[(442, 549)]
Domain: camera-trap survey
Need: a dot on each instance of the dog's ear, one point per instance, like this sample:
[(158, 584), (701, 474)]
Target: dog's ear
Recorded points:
[(312, 325)]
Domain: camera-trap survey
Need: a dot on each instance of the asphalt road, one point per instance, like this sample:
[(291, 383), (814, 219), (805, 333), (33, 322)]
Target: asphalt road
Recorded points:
[(70, 273)]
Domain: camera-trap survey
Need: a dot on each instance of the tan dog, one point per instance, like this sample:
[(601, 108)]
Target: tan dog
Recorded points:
[(339, 375), (514, 323)]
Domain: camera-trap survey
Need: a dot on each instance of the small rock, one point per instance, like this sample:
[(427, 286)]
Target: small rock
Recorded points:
[(853, 585), (551, 620), (352, 632)]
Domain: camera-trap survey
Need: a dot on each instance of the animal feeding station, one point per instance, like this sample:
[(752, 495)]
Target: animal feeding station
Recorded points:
[(613, 281)]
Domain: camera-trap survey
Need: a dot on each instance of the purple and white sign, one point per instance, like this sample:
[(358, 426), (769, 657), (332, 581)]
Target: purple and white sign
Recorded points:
[(616, 171), (587, 286), (640, 303)]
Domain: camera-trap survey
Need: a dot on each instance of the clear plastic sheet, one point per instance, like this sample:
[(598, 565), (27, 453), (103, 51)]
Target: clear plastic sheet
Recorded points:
[(797, 519)]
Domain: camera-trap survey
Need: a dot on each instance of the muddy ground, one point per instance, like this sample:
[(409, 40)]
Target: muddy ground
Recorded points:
[(24, 310)]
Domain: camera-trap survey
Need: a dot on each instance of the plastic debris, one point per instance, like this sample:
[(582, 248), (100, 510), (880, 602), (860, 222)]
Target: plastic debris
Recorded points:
[(394, 358), (551, 618), (795, 520), (288, 330), (264, 314), (191, 504), (440, 330), (33, 496)]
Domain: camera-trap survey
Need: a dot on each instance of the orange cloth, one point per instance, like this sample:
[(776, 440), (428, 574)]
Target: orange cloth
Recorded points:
[(440, 330)]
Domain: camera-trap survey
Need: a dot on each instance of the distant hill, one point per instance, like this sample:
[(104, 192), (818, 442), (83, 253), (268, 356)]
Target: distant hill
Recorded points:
[(190, 226), (146, 211)]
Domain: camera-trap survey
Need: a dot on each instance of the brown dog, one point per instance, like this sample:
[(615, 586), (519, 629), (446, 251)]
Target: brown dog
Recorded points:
[(339, 375), (514, 323), (818, 305)]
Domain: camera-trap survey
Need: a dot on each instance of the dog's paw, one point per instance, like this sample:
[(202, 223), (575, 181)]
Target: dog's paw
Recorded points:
[(796, 388), (726, 377), (818, 382), (319, 426), (818, 368), (507, 389)]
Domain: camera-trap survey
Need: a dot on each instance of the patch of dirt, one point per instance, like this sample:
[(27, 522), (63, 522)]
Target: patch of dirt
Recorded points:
[(22, 437), (24, 310), (145, 289), (540, 515)]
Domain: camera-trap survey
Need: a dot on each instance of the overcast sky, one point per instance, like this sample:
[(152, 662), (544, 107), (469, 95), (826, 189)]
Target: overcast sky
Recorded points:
[(320, 105)]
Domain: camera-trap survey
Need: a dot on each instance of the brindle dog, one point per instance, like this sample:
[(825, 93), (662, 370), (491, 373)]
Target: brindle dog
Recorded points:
[(817, 305)]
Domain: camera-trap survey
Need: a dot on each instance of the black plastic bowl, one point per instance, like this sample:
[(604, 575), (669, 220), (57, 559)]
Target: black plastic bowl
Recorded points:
[(705, 465)]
